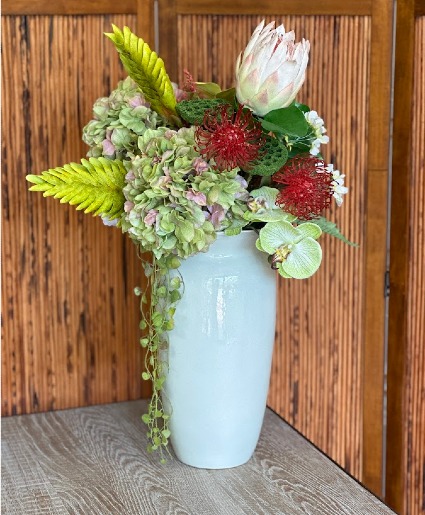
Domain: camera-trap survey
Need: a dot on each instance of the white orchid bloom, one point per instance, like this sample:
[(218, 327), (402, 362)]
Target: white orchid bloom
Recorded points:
[(271, 70)]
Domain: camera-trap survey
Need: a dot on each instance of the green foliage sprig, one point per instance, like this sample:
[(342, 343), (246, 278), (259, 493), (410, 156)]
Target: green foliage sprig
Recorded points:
[(331, 228), (157, 319)]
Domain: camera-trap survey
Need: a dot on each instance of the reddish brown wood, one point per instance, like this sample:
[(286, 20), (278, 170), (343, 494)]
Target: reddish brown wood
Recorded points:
[(146, 21), (375, 246), (399, 252), (271, 7), (419, 8), (406, 383), (70, 319), (68, 7)]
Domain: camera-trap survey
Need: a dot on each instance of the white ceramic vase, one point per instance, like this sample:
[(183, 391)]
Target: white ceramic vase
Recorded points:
[(220, 353)]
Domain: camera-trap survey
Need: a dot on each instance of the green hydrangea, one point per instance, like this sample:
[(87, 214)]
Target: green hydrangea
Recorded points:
[(118, 121), (175, 202)]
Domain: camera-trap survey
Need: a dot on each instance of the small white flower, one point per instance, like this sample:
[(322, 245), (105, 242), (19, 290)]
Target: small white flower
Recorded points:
[(318, 125), (337, 184)]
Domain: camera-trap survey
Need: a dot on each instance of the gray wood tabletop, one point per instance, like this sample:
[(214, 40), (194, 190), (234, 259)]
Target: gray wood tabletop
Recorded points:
[(93, 461)]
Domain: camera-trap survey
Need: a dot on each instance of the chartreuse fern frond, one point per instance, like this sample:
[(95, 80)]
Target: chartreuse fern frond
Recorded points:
[(147, 69), (95, 185)]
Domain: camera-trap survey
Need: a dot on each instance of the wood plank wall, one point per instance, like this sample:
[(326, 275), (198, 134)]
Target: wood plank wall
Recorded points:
[(414, 416), (70, 319), (328, 369), (405, 474)]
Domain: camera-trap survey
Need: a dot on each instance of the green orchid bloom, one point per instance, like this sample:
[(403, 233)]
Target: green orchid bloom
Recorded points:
[(262, 207), (294, 251)]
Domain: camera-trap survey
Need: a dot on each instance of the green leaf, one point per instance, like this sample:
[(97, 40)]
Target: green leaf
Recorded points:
[(332, 229), (95, 185), (175, 282), (175, 296), (157, 319), (302, 107), (274, 155), (288, 120), (146, 418), (228, 95), (147, 70), (158, 385), (209, 89), (144, 342)]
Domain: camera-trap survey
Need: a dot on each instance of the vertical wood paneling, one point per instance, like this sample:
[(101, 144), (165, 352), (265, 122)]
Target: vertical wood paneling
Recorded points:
[(317, 373), (414, 401), (70, 320), (406, 387), (376, 241)]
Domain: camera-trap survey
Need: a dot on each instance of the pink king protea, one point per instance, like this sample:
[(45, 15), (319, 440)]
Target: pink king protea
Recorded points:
[(271, 70)]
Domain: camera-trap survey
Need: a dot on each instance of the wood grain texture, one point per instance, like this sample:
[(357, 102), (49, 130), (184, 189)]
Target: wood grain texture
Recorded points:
[(68, 7), (399, 343), (317, 368), (414, 393), (145, 27), (376, 241), (93, 460), (271, 7), (70, 319), (419, 8)]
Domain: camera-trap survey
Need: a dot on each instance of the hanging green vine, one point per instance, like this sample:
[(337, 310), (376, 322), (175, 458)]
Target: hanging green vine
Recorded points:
[(157, 306)]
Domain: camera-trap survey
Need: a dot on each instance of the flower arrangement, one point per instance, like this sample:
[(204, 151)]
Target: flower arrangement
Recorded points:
[(173, 166)]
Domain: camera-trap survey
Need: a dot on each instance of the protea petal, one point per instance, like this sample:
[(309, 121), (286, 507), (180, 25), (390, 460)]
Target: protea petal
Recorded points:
[(254, 38)]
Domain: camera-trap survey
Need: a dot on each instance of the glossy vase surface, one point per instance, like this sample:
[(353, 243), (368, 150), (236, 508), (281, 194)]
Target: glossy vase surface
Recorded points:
[(220, 353)]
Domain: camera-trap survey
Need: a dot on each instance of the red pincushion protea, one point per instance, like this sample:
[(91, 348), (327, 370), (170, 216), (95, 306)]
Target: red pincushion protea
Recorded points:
[(230, 139), (307, 187)]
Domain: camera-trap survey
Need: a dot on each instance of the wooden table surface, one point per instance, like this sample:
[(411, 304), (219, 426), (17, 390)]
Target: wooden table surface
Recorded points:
[(93, 461)]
